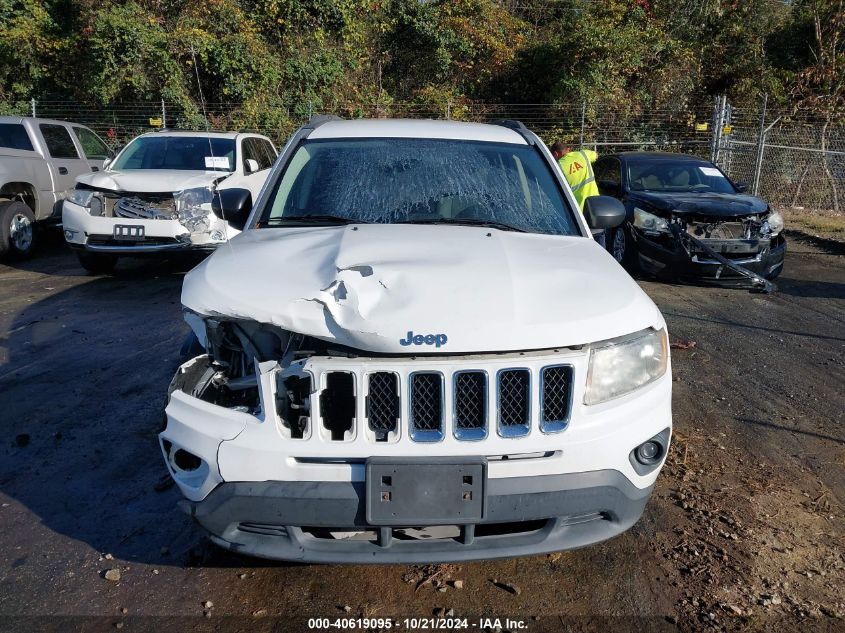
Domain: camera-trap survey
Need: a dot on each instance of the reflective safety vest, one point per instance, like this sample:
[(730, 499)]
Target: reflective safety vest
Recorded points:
[(577, 168)]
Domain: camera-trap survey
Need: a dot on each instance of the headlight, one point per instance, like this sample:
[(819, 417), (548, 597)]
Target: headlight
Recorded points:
[(775, 221), (622, 365), (82, 197), (92, 200), (193, 207), (650, 222)]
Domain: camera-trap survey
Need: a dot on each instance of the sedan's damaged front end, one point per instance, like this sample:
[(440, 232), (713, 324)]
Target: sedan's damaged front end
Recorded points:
[(689, 243)]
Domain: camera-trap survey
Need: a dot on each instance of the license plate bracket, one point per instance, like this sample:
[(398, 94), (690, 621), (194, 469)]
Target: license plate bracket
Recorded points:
[(417, 492), (128, 232)]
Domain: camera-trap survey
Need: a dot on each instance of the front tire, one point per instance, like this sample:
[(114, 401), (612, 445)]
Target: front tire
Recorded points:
[(621, 245), (17, 229), (96, 263)]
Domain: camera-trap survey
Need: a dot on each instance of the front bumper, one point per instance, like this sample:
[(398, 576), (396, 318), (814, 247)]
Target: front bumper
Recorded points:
[(260, 491), (96, 234), (667, 258), (525, 515)]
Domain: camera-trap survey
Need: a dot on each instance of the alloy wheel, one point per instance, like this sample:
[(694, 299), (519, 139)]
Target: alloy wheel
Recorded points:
[(20, 232)]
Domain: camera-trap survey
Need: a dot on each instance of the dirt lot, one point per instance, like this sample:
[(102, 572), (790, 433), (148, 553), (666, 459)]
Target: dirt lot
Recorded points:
[(744, 531)]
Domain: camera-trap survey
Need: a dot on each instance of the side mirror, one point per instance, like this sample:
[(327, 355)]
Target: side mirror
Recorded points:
[(106, 163), (603, 212), (609, 186), (741, 187), (250, 165), (232, 205)]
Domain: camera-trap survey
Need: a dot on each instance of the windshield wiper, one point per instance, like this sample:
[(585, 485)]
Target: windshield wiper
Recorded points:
[(309, 219), (493, 224)]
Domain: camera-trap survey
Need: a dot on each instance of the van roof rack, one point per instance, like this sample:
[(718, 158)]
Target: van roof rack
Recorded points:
[(516, 126)]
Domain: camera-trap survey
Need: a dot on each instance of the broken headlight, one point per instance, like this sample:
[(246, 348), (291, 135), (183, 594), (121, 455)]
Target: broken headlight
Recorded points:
[(649, 222), (621, 365), (87, 198), (775, 222), (193, 207)]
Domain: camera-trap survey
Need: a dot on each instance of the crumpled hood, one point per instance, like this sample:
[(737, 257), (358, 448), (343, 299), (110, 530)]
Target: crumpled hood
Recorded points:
[(368, 286), (718, 204), (150, 180)]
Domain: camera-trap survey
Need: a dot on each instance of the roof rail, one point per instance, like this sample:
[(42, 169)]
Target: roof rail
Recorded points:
[(318, 119), (516, 126)]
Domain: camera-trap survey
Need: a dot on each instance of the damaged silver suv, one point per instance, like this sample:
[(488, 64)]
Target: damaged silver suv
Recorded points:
[(415, 351)]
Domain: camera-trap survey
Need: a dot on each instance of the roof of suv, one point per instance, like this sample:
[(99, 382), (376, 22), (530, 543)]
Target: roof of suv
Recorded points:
[(416, 128)]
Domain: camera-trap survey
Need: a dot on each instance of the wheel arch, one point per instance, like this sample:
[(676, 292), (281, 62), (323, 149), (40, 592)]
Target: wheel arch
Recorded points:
[(23, 191)]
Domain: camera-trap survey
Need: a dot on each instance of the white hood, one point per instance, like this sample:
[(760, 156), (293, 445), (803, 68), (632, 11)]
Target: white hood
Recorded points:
[(367, 286), (150, 180)]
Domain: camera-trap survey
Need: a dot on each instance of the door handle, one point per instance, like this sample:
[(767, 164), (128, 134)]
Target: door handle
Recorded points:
[(94, 168), (63, 170)]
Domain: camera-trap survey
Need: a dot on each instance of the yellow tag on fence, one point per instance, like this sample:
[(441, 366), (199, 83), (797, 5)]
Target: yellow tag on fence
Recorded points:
[(156, 121), (727, 129), (701, 127)]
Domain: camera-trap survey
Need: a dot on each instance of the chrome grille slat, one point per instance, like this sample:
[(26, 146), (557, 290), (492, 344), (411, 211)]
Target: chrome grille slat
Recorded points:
[(555, 397), (426, 406), (470, 404), (136, 208), (383, 403), (514, 402)]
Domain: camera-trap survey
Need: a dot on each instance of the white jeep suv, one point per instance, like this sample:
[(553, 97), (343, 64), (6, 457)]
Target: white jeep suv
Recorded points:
[(156, 195), (415, 351)]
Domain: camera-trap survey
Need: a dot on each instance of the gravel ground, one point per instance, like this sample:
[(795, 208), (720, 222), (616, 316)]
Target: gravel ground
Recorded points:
[(744, 531)]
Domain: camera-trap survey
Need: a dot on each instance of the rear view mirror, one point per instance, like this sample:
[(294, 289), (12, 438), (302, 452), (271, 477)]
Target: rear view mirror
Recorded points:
[(250, 165), (603, 212), (232, 205)]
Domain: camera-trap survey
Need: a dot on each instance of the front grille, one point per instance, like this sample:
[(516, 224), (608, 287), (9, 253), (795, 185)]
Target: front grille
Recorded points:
[(108, 240), (140, 209), (514, 402), (555, 397), (435, 400), (720, 230), (383, 403), (470, 406), (264, 529), (426, 406)]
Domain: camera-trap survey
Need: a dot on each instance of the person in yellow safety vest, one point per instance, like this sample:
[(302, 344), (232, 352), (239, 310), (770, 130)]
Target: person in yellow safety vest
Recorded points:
[(577, 168)]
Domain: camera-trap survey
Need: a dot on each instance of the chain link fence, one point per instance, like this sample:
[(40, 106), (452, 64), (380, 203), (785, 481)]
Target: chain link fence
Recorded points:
[(789, 159)]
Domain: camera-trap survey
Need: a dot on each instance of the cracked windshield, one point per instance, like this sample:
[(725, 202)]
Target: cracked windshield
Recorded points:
[(420, 181)]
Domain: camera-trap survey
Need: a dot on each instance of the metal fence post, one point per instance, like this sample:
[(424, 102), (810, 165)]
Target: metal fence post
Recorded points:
[(163, 116), (761, 147), (32, 103), (449, 110), (583, 117)]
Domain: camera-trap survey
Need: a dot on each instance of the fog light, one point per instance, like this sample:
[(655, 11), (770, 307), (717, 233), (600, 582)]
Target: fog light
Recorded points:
[(646, 457), (69, 234), (648, 453), (186, 461)]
